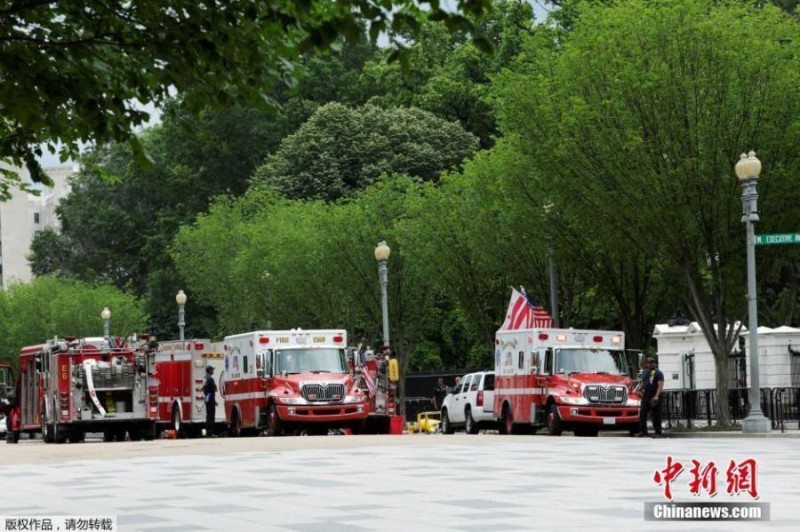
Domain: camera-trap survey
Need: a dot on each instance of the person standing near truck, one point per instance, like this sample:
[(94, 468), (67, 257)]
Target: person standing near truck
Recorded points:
[(210, 400), (439, 393), (650, 387)]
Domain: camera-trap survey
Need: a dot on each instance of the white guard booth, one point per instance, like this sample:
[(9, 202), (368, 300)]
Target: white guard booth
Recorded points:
[(685, 357), (779, 360)]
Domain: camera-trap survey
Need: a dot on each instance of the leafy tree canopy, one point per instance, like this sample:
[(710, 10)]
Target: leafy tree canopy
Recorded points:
[(46, 307), (340, 150), (72, 72)]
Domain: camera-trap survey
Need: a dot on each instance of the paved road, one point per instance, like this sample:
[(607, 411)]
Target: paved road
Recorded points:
[(421, 482)]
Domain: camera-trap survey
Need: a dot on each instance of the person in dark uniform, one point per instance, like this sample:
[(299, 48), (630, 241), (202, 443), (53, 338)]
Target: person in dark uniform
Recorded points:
[(650, 387), (210, 399), (439, 393)]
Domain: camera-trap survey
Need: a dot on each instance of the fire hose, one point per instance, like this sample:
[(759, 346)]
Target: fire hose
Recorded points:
[(87, 370)]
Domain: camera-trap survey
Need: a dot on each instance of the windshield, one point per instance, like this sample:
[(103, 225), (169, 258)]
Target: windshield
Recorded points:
[(310, 360), (591, 361)]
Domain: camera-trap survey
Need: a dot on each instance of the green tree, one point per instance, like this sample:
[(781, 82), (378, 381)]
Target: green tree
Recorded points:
[(340, 150), (46, 307), (79, 70), (121, 217), (637, 117), (447, 74)]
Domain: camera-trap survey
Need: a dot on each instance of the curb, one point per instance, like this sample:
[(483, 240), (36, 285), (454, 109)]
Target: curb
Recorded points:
[(733, 434)]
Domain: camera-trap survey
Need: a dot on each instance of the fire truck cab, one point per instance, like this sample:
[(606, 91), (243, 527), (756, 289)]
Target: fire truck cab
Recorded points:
[(69, 387), (563, 379), (279, 381), (181, 371)]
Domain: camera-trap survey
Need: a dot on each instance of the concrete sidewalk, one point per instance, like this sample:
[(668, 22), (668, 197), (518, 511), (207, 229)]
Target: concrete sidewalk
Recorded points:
[(426, 482)]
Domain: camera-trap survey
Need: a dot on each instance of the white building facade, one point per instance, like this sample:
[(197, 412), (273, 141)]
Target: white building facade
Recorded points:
[(23, 216)]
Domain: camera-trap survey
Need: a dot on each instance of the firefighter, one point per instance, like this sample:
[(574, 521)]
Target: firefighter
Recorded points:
[(210, 399)]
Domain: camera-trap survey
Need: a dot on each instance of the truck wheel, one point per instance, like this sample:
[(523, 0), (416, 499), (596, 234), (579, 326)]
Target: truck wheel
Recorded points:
[(554, 425), (12, 436), (58, 435), (508, 421), (447, 427), (108, 436), (470, 426), (177, 423), (149, 432), (47, 432), (235, 428), (75, 437), (274, 423)]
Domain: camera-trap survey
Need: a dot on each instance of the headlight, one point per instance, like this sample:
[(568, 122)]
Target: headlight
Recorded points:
[(574, 400), (353, 399), (291, 400), (634, 402)]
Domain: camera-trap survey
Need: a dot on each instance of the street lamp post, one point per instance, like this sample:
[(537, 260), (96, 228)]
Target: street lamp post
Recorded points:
[(180, 299), (382, 255), (747, 170), (106, 315), (548, 211), (267, 277)]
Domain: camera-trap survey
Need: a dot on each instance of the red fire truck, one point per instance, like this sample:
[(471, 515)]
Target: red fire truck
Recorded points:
[(69, 387), (563, 379), (374, 376), (279, 381), (9, 411), (181, 370)]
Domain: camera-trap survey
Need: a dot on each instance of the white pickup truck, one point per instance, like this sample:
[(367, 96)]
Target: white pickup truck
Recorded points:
[(470, 404)]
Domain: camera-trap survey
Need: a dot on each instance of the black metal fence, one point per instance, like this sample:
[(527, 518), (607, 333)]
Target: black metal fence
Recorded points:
[(419, 390), (692, 408)]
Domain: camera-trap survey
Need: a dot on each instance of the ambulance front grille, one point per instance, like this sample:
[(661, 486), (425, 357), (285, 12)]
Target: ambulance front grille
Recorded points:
[(597, 393), (323, 392)]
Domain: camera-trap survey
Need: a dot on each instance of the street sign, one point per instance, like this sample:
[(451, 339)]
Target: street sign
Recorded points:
[(786, 238)]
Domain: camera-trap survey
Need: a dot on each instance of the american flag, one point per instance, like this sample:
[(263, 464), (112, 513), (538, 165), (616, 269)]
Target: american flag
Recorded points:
[(524, 312)]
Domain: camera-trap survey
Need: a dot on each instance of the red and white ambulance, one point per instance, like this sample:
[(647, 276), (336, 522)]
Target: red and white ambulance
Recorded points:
[(563, 379), (181, 371), (279, 381)]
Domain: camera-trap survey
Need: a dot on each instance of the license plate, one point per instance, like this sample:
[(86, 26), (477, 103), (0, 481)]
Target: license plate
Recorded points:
[(609, 421)]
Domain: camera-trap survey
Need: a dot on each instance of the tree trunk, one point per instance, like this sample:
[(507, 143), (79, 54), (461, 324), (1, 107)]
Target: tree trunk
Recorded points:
[(720, 335), (721, 361)]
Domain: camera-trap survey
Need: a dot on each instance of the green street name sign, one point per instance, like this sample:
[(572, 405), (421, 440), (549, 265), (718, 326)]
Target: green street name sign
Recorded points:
[(786, 238)]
